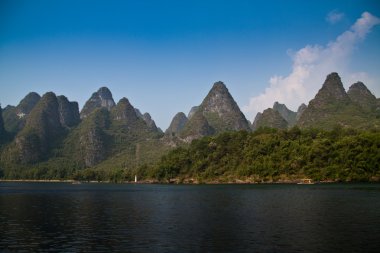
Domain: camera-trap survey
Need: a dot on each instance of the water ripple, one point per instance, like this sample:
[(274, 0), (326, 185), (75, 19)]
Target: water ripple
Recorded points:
[(160, 218)]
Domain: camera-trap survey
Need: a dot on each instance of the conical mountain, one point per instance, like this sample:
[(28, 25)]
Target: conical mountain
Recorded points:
[(41, 132), (360, 94), (178, 123), (101, 98), (126, 117), (256, 120), (106, 135), (15, 117), (27, 104), (45, 113), (119, 133), (150, 122), (331, 107), (220, 111), (125, 111), (269, 118), (287, 114), (196, 128), (331, 91), (68, 112)]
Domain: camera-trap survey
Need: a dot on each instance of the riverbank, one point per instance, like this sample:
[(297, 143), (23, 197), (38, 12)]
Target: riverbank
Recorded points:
[(172, 181), (38, 180), (217, 181), (74, 181)]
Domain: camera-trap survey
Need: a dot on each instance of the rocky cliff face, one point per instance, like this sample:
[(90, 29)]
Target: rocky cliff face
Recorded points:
[(15, 117), (257, 119), (219, 110), (269, 118), (360, 94), (42, 129), (68, 112), (332, 90), (287, 114), (279, 117), (331, 107), (149, 122), (196, 128), (192, 111), (94, 148), (11, 121), (125, 111), (101, 98), (138, 113), (132, 116), (300, 110), (178, 123), (93, 138), (106, 133), (27, 104)]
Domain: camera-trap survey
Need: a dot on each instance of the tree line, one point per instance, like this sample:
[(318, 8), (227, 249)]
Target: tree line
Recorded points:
[(266, 155)]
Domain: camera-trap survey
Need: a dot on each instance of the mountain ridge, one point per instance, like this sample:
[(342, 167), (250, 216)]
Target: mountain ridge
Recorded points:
[(15, 116), (332, 106), (217, 113), (101, 98), (270, 118), (287, 114), (104, 134)]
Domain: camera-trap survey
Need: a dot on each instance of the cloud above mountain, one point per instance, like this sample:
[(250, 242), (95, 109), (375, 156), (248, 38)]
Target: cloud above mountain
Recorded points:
[(310, 66)]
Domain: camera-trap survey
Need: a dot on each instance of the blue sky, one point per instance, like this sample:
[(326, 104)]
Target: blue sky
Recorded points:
[(164, 56)]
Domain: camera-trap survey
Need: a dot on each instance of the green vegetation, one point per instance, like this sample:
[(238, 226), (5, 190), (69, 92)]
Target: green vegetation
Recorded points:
[(15, 117), (48, 140), (333, 106), (276, 155), (12, 122), (100, 148), (197, 126), (346, 114), (270, 118), (266, 155)]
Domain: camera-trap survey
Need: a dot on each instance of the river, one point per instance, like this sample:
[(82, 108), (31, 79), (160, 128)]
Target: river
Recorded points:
[(62, 217)]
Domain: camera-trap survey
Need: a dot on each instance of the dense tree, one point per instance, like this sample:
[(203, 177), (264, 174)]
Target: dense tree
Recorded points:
[(268, 154), (264, 155)]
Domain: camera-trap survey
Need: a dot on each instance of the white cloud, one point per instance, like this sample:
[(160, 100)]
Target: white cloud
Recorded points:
[(311, 65), (334, 17)]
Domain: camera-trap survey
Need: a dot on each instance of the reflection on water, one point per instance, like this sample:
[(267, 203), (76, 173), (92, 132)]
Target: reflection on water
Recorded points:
[(189, 218)]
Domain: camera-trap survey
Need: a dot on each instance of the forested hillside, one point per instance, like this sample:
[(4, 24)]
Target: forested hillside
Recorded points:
[(276, 155), (336, 137)]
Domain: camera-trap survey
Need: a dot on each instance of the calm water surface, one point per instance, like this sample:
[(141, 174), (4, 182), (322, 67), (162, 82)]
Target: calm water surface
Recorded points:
[(189, 218)]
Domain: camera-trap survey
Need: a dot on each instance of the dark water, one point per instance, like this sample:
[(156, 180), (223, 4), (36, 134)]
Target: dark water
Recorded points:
[(189, 218)]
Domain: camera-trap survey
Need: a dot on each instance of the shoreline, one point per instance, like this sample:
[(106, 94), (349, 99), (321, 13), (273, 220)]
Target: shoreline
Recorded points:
[(175, 182)]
